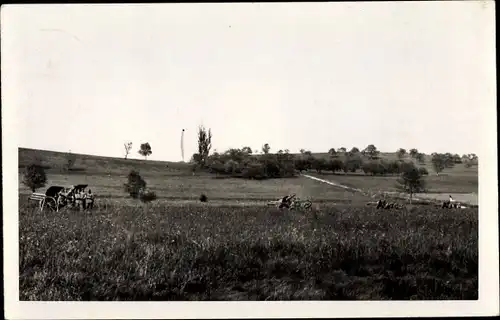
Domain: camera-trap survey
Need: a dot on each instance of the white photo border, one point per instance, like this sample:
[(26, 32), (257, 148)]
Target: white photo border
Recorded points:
[(487, 304)]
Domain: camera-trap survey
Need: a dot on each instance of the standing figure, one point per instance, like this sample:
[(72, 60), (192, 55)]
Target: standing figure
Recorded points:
[(84, 199), (78, 200), (89, 200), (61, 199)]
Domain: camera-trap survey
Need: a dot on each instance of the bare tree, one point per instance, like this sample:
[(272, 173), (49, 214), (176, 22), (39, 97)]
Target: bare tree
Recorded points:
[(128, 147)]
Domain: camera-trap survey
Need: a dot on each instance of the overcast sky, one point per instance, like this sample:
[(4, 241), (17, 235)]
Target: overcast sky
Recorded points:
[(88, 78)]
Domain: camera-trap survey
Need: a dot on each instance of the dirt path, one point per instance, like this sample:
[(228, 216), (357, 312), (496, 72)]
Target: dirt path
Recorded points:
[(467, 198), (333, 183), (371, 195)]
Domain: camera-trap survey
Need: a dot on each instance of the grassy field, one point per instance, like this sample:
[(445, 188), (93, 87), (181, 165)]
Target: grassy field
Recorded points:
[(235, 247)]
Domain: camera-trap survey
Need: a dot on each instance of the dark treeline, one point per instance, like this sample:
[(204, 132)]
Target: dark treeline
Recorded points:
[(243, 164)]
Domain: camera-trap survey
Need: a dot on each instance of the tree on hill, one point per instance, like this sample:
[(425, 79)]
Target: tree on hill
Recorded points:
[(441, 162), (401, 153), (342, 150), (266, 148), (247, 150), (457, 159), (204, 145), (319, 164), (145, 150), (371, 151), (354, 150), (472, 156), (411, 181), (34, 177), (420, 158), (302, 151), (128, 147), (469, 160), (332, 152), (413, 153), (308, 153), (352, 163)]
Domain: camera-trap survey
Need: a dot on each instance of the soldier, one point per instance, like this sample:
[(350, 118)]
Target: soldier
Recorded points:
[(381, 204), (78, 200), (60, 199), (90, 200), (286, 202), (84, 199)]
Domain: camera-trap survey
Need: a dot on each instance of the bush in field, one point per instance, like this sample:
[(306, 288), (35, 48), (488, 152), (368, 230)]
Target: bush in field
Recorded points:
[(147, 196), (135, 184), (34, 177), (203, 198)]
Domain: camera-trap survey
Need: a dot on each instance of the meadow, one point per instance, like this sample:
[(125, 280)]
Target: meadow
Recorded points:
[(234, 247)]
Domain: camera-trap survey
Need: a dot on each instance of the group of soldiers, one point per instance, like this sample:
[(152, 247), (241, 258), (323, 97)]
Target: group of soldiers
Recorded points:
[(449, 204), (80, 199), (384, 204)]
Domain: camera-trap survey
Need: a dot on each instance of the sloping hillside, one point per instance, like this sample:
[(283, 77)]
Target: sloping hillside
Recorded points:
[(56, 162)]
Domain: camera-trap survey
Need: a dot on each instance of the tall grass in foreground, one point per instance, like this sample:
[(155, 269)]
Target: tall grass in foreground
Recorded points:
[(208, 253)]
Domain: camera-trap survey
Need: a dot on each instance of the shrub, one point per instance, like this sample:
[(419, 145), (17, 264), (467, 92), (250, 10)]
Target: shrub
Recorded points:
[(147, 196), (203, 198), (135, 184), (34, 177)]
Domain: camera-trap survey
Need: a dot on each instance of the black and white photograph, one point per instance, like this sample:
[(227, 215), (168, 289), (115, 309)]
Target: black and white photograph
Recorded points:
[(266, 159)]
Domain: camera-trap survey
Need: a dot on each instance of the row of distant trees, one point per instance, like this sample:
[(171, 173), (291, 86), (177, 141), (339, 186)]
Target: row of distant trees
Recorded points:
[(245, 163)]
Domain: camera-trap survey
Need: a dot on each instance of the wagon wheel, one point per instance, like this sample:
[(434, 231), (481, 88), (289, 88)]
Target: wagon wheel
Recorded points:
[(51, 203)]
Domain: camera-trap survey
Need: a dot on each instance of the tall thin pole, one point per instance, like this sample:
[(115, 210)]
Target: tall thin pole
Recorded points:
[(182, 145)]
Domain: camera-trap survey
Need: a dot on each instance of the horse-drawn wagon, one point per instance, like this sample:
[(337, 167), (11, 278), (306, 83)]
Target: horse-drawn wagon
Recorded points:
[(58, 197)]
